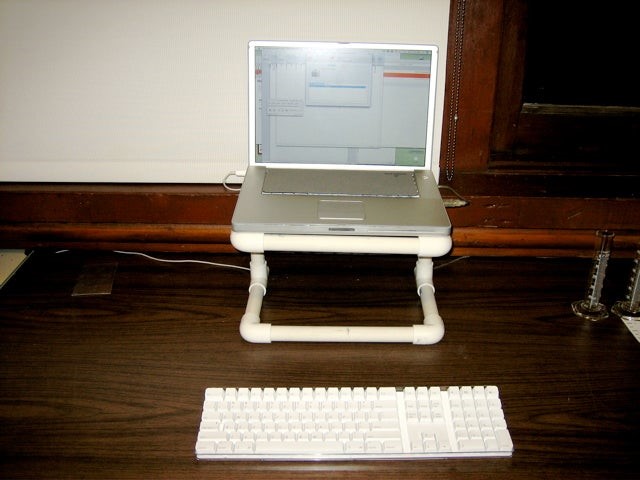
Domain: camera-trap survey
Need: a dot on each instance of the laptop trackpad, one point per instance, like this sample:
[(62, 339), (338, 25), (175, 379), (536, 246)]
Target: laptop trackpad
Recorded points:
[(340, 210)]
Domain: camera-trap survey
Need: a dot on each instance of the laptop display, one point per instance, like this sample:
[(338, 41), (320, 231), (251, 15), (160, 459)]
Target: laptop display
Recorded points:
[(343, 105)]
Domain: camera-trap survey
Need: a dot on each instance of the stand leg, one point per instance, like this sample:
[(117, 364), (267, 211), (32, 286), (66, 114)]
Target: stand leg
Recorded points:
[(250, 327), (430, 332)]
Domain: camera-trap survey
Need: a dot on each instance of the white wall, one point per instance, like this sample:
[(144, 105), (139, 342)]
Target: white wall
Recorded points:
[(156, 90)]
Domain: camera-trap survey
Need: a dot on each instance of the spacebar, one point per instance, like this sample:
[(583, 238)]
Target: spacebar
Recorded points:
[(299, 448)]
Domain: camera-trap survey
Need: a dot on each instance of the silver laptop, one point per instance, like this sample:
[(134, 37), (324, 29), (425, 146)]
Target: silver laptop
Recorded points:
[(340, 141)]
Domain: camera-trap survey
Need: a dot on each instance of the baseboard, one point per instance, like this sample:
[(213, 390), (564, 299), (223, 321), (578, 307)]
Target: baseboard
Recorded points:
[(197, 217)]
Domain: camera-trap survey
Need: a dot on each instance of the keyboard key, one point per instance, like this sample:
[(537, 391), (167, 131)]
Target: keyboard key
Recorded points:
[(373, 447), (471, 445), (213, 435), (309, 447), (392, 446), (504, 440), (355, 446)]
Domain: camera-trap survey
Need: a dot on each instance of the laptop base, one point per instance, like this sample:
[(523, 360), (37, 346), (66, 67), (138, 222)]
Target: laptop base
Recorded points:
[(252, 330)]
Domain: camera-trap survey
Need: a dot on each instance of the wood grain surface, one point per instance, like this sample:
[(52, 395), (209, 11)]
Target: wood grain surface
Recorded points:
[(111, 386)]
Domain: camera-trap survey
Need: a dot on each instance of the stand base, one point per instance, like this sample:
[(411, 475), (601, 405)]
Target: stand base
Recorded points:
[(594, 313), (623, 310)]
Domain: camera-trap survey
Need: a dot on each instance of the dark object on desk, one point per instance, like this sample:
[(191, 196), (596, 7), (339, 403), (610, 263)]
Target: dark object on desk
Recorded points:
[(111, 386), (96, 279)]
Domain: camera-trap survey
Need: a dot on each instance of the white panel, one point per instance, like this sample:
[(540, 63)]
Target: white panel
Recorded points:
[(156, 90)]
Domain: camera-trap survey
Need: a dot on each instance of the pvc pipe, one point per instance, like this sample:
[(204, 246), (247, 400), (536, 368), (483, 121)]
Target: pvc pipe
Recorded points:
[(432, 330), (250, 327), (341, 334), (423, 246)]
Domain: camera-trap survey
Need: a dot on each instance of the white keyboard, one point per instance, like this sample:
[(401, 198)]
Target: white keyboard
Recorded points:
[(352, 423)]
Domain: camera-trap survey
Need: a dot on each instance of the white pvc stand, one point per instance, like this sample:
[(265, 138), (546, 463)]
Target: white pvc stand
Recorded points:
[(429, 332)]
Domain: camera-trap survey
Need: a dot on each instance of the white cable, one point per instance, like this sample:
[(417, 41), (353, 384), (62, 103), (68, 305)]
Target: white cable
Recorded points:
[(235, 173), (446, 264), (164, 260)]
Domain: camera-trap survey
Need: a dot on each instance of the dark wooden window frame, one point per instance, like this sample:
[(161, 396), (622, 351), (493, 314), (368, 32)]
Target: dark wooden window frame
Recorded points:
[(512, 211), (523, 198)]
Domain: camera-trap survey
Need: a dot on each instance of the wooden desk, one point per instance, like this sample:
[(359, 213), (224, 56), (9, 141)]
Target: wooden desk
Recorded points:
[(111, 386)]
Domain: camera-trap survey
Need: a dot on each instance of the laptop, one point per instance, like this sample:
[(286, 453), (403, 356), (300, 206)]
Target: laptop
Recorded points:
[(340, 141)]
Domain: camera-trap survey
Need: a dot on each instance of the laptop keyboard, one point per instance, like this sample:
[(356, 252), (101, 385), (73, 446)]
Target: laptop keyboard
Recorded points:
[(340, 183)]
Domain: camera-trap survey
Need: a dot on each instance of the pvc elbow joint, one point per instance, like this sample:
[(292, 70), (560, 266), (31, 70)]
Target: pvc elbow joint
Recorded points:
[(253, 331), (431, 332)]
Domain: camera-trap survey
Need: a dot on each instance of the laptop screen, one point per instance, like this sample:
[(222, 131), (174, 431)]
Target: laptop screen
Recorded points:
[(368, 105)]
